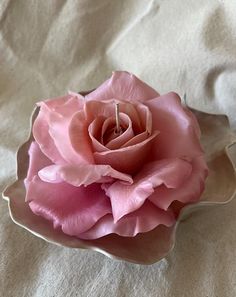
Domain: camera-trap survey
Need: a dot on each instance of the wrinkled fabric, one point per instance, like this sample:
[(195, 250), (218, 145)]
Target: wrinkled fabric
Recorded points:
[(48, 47)]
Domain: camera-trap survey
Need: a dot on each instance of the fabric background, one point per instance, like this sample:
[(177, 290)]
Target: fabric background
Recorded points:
[(48, 47)]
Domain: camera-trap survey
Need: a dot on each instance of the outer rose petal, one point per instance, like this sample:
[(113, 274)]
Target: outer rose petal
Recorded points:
[(44, 139), (123, 86), (179, 133), (188, 192), (194, 121), (82, 174), (62, 108), (127, 159), (74, 209), (37, 161), (74, 148), (61, 117), (64, 105), (143, 220), (128, 198)]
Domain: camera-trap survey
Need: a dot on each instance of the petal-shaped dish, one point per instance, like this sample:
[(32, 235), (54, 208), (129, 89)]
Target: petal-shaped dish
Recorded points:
[(146, 248)]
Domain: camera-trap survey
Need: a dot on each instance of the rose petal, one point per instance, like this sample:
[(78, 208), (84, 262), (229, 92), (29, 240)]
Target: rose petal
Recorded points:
[(65, 105), (127, 159), (79, 138), (145, 116), (108, 131), (195, 122), (143, 220), (136, 139), (146, 119), (74, 209), (44, 139), (128, 198), (82, 174), (51, 126), (123, 86), (94, 130), (69, 132), (94, 109), (127, 135), (179, 133), (37, 160), (188, 192), (78, 96), (98, 128)]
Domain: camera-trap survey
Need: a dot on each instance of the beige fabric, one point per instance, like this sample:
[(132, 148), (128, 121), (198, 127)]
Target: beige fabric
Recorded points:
[(48, 47)]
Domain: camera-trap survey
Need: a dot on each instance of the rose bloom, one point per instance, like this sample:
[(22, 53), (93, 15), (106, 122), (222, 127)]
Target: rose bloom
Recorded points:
[(92, 177)]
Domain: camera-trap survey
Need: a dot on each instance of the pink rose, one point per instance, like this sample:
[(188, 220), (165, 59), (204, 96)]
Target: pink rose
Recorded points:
[(91, 181)]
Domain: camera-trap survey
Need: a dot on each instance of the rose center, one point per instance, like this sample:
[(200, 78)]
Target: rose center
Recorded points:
[(109, 130), (126, 127)]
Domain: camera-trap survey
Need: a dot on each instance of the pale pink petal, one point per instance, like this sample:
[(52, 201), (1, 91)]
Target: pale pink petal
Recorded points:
[(37, 161), (62, 107), (116, 142), (79, 138), (189, 192), (70, 135), (179, 135), (146, 120), (44, 139), (65, 123), (127, 159), (82, 174), (108, 131), (94, 130), (52, 103), (98, 128), (128, 198), (194, 121), (66, 105), (123, 86), (145, 116), (141, 124), (77, 95), (94, 109), (137, 139), (143, 220), (74, 209)]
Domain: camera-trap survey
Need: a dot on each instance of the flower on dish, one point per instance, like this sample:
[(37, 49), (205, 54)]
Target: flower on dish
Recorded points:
[(121, 159)]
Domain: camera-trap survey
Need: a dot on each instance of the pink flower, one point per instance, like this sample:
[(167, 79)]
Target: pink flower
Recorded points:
[(91, 181)]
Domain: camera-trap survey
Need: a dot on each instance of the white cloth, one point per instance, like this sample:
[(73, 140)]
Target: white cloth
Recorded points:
[(48, 47)]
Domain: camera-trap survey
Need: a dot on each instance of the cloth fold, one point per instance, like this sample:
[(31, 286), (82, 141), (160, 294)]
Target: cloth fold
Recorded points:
[(49, 47)]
